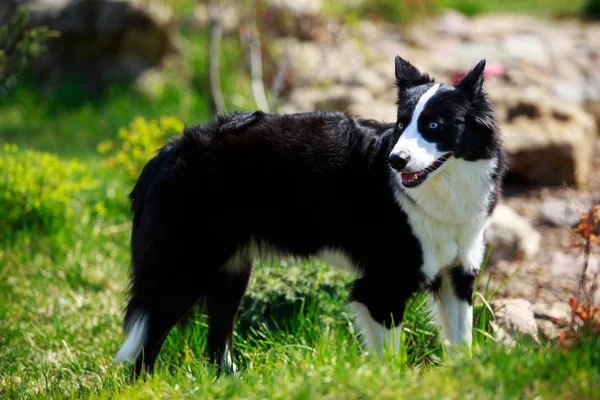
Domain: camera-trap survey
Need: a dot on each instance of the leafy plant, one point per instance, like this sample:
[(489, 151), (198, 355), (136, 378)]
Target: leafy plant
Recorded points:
[(139, 142), (592, 8), (39, 190), (585, 317), (19, 44)]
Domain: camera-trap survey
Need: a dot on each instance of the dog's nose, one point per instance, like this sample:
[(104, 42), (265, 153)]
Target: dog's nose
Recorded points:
[(399, 161)]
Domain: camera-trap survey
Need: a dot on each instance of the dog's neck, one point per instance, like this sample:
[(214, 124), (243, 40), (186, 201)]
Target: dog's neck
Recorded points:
[(460, 194)]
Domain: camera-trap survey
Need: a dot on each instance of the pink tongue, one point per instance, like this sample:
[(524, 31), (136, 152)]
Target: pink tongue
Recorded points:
[(409, 176)]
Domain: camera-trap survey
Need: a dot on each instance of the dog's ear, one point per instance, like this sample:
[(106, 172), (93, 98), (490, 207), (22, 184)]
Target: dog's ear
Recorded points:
[(472, 83), (408, 76)]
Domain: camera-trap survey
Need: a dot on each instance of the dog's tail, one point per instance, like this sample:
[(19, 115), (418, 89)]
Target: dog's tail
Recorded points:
[(136, 317)]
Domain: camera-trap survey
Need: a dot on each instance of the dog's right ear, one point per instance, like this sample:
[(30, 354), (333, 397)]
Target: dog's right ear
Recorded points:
[(408, 76)]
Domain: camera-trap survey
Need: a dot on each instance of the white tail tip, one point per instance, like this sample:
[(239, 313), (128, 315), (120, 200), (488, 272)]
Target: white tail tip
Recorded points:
[(136, 337)]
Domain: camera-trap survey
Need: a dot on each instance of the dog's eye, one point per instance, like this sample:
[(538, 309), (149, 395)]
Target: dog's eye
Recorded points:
[(433, 125), (400, 125)]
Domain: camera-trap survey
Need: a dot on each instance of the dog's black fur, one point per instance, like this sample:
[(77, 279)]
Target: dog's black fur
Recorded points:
[(297, 184)]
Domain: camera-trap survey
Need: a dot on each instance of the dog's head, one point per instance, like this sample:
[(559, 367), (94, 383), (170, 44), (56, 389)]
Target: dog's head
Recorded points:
[(439, 124)]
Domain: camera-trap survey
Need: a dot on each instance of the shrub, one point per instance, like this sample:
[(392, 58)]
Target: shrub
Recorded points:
[(279, 292), (38, 190), (139, 142), (592, 8), (19, 44)]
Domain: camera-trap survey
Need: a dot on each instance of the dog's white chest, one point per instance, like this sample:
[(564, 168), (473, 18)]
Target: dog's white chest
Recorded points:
[(449, 215), (446, 245)]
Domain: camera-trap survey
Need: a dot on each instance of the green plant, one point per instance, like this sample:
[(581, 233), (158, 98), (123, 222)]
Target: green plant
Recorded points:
[(585, 315), (592, 8), (39, 190), (139, 142), (19, 44)]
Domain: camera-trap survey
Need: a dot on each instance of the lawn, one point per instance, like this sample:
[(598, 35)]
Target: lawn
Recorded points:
[(64, 265)]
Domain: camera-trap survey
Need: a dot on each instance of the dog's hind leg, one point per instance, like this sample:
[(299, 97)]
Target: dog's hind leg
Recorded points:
[(223, 300), (453, 306), (149, 319)]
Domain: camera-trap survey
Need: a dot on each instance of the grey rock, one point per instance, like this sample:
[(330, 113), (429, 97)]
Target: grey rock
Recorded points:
[(516, 316), (512, 236), (548, 141), (527, 47), (103, 40), (560, 212)]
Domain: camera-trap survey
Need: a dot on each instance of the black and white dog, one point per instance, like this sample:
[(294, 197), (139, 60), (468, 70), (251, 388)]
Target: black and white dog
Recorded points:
[(404, 205)]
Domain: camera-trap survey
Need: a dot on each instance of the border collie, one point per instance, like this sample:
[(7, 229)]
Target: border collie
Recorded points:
[(403, 204)]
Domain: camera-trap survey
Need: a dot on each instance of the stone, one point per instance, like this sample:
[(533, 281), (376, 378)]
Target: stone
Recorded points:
[(333, 98), (299, 6), (548, 311), (547, 329), (452, 23), (512, 236), (229, 16), (516, 316), (569, 266), (316, 63), (545, 315), (373, 82), (561, 212), (548, 141), (109, 40), (527, 47)]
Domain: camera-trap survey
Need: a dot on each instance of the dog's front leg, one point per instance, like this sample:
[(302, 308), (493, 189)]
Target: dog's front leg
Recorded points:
[(453, 304), (378, 308)]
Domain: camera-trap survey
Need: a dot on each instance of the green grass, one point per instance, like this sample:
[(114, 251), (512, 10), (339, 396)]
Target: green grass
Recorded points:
[(398, 11)]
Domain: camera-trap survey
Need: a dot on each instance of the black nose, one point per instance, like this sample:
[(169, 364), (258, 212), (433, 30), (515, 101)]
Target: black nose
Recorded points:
[(398, 162)]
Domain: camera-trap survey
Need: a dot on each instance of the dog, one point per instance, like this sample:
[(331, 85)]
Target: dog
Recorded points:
[(404, 205)]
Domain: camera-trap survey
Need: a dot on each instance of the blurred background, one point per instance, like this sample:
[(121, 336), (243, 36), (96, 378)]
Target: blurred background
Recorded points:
[(89, 89)]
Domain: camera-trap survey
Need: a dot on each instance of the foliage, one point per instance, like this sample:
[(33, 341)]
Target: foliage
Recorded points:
[(19, 44), (585, 317), (401, 11), (592, 8), (139, 142), (552, 8), (39, 190)]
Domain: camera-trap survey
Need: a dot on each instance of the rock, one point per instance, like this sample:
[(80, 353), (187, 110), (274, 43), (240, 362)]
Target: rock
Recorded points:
[(317, 63), (570, 266), (334, 98), (516, 316), (548, 142), (374, 82), (547, 329), (228, 13), (560, 212), (548, 311), (452, 23), (103, 40), (299, 6), (512, 236), (527, 47), (378, 110), (545, 314), (495, 26)]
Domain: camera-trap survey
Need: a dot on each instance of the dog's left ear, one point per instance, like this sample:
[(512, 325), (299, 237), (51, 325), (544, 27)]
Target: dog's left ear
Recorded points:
[(472, 83), (408, 76)]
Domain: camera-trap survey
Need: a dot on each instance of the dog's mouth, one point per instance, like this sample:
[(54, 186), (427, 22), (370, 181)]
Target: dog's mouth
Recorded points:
[(414, 179)]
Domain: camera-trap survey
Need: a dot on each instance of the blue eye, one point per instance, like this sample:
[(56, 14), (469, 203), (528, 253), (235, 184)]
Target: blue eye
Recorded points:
[(433, 125), (400, 125)]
